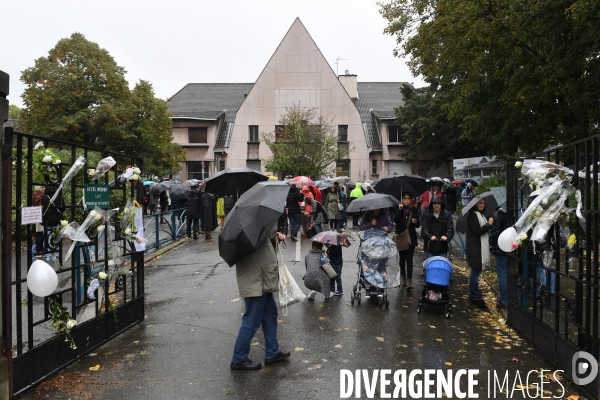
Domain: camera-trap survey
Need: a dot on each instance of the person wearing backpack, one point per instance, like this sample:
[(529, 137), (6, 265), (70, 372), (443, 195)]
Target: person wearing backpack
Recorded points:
[(498, 226)]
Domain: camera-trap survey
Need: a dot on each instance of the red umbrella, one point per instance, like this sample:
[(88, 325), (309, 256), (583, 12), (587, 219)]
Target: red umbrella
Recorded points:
[(458, 181), (331, 237)]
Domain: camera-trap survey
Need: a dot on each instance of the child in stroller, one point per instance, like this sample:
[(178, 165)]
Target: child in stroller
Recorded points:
[(378, 268)]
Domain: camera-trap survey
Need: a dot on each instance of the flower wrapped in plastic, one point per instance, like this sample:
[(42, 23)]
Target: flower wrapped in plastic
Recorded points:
[(103, 166), (544, 173), (77, 165), (128, 226)]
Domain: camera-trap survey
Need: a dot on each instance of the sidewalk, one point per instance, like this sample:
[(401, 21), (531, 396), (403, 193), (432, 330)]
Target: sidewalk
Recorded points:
[(183, 348)]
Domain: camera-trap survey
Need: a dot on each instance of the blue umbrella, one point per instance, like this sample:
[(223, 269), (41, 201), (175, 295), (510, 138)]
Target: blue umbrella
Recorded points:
[(148, 183)]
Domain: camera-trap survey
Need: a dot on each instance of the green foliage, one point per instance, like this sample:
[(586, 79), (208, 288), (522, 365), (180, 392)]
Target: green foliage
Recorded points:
[(426, 127), (307, 144), (79, 94), (523, 74), (14, 112), (494, 181)]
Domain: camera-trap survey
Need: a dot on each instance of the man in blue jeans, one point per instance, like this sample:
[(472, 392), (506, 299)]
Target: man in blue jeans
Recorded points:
[(258, 278)]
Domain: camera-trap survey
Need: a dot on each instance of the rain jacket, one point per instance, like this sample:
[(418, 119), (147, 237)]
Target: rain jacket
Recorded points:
[(193, 204), (438, 227), (403, 221), (257, 273), (331, 205), (357, 192)]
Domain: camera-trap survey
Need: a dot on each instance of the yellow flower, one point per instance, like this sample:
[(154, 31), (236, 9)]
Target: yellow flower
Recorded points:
[(64, 223), (572, 240)]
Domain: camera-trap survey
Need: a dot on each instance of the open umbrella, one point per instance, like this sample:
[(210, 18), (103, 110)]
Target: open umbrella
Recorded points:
[(179, 191), (499, 193), (350, 185), (331, 237), (300, 181), (250, 220), (458, 181), (397, 184), (161, 187), (147, 183), (373, 201), (340, 179), (192, 182), (233, 181), (473, 181), (490, 207)]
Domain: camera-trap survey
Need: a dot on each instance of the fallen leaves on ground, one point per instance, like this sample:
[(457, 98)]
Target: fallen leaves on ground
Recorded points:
[(235, 300), (95, 368)]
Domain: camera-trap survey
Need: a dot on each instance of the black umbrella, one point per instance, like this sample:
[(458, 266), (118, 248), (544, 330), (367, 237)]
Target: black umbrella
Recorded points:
[(251, 219), (473, 181), (397, 184), (490, 207), (179, 191), (372, 201), (233, 181), (161, 187)]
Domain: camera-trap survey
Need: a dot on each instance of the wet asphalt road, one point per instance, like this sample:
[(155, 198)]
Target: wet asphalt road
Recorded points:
[(193, 312)]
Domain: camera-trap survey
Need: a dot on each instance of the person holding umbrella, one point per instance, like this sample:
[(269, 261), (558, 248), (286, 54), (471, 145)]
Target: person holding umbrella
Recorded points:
[(356, 193), (208, 214), (193, 214), (468, 194), (258, 278), (478, 253), (377, 218), (407, 218)]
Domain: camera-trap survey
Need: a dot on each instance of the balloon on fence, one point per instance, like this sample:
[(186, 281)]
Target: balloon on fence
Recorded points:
[(41, 279), (507, 238)]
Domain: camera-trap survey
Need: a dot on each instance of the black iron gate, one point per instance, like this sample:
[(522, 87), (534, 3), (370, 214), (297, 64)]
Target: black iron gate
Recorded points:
[(556, 306), (34, 349)]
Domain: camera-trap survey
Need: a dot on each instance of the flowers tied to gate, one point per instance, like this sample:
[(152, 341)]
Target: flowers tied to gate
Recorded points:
[(544, 173), (43, 158), (77, 165), (128, 221), (62, 321), (103, 166)]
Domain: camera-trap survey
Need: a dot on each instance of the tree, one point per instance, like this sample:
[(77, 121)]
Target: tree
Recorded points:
[(525, 73), (305, 143), (426, 127), (79, 94), (14, 112)]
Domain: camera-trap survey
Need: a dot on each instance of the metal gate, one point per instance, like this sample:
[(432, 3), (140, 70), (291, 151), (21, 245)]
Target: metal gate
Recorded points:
[(33, 348), (556, 307)]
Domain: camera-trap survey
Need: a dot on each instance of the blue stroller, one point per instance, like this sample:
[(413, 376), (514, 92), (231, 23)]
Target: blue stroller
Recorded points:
[(378, 268), (438, 285)]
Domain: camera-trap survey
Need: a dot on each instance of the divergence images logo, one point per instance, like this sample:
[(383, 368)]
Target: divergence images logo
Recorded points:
[(584, 368)]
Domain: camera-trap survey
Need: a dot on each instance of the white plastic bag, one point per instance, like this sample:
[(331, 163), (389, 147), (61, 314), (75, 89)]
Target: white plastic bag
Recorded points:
[(289, 292)]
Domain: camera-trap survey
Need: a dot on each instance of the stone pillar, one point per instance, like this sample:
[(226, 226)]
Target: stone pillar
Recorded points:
[(4, 376)]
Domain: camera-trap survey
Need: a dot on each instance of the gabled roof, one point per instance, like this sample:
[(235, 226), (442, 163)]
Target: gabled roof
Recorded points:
[(377, 99), (209, 101)]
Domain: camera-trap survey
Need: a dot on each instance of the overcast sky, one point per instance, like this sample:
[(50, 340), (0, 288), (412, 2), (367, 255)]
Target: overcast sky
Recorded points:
[(172, 43)]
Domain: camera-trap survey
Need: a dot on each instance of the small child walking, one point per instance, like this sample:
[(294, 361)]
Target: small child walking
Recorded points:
[(337, 262)]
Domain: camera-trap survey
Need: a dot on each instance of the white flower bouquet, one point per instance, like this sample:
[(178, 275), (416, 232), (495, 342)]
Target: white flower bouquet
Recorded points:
[(103, 166), (544, 173)]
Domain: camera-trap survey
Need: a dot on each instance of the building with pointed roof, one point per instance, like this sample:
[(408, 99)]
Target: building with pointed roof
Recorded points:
[(219, 124)]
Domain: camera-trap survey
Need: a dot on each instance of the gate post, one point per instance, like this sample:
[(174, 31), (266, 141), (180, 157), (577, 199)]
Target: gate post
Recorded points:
[(5, 333)]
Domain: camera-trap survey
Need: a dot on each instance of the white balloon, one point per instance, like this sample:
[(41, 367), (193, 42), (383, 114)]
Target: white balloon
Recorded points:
[(507, 238), (41, 279)]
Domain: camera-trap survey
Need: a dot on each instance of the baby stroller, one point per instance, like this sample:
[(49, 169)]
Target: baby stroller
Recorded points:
[(437, 287), (378, 268)]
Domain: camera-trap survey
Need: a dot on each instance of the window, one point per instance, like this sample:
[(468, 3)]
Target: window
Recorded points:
[(195, 170), (394, 134), (221, 165), (342, 168), (342, 133), (253, 164), (373, 167), (278, 132), (197, 135), (253, 134)]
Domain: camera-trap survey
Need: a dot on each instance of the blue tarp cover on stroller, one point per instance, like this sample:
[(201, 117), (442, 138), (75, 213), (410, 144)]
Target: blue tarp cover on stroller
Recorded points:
[(438, 271)]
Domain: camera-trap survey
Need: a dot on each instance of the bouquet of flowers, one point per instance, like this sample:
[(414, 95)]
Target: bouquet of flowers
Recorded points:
[(77, 165), (103, 166), (43, 158), (544, 173), (128, 222), (69, 230)]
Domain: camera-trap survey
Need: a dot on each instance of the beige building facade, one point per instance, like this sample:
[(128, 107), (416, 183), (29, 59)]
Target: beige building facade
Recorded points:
[(220, 125)]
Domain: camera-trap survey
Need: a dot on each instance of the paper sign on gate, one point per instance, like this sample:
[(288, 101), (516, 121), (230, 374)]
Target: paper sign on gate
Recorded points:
[(31, 215)]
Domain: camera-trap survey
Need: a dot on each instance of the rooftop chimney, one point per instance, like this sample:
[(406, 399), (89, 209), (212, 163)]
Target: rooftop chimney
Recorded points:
[(348, 81)]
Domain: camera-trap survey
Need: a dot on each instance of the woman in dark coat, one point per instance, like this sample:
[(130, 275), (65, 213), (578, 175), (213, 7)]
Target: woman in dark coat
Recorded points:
[(292, 205), (437, 228), (407, 218), (478, 253), (208, 214), (193, 214)]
